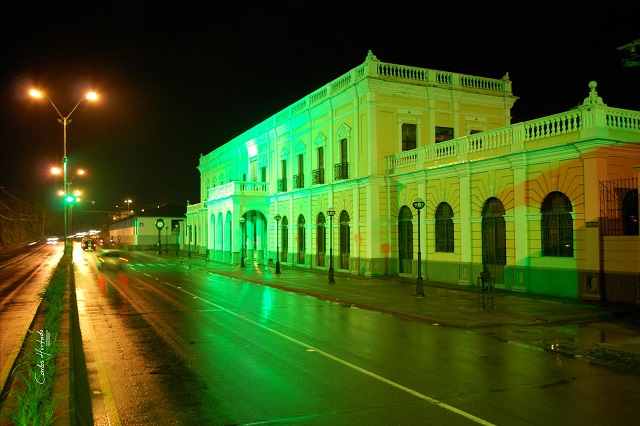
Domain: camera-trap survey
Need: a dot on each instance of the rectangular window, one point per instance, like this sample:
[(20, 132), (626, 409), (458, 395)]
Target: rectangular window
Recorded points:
[(443, 134), (299, 181), (408, 137), (341, 170), (282, 182), (253, 167), (263, 172), (318, 174)]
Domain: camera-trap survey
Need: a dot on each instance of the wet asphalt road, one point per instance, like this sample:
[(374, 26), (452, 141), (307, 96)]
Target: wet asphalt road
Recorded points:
[(169, 346), (23, 275)]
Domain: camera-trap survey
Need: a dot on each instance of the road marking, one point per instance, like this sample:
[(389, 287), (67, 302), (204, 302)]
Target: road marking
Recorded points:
[(347, 363), (107, 394)]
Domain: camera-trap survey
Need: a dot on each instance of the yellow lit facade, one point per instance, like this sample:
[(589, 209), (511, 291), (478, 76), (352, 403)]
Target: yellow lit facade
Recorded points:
[(547, 206)]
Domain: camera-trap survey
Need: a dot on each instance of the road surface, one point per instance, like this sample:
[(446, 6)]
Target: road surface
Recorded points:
[(166, 345)]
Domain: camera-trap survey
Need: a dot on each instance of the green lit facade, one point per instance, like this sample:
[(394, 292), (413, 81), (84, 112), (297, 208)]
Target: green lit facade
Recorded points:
[(547, 206)]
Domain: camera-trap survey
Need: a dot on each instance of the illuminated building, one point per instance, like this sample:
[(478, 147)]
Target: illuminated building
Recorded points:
[(547, 206)]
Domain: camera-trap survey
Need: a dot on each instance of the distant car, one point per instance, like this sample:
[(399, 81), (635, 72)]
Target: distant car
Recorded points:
[(112, 259), (53, 240), (88, 244)]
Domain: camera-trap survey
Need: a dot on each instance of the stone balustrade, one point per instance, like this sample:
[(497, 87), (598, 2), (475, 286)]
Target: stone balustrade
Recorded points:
[(372, 68), (238, 188), (513, 138)]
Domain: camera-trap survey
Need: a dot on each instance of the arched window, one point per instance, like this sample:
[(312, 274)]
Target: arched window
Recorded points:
[(285, 239), (345, 236), (405, 240), (321, 241), (557, 226), (444, 228), (301, 239)]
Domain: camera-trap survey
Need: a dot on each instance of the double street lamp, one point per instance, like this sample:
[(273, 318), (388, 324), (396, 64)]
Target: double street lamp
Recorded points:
[(64, 120), (331, 212), (418, 204)]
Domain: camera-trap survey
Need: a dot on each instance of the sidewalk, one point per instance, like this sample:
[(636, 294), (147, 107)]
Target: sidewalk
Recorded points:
[(604, 333)]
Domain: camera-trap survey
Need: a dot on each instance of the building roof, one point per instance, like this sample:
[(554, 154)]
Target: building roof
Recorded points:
[(168, 210)]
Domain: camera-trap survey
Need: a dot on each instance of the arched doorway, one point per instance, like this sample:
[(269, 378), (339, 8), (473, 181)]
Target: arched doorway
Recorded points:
[(321, 239), (219, 240), (285, 239), (255, 234), (494, 239), (405, 240), (228, 240), (301, 240), (345, 238)]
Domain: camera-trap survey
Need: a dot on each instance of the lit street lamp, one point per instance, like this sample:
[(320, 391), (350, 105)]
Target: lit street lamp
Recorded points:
[(418, 204), (64, 120), (128, 201), (242, 221), (277, 218), (331, 212)]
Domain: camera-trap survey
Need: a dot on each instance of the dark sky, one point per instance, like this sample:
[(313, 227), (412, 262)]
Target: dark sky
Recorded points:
[(179, 80)]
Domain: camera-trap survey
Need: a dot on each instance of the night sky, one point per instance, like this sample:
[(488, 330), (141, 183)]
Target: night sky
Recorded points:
[(179, 80)]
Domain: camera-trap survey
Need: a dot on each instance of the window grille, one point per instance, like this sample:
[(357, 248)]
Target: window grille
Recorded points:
[(318, 176), (282, 185), (619, 207), (341, 171)]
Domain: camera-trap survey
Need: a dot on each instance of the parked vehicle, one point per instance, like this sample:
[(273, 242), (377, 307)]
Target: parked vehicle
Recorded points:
[(88, 244), (112, 259)]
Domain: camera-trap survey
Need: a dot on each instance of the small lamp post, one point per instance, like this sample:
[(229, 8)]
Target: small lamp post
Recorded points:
[(159, 225), (331, 212), (277, 218), (242, 221), (418, 204)]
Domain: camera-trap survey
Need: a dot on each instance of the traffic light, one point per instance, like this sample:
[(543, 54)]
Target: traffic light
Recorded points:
[(70, 199)]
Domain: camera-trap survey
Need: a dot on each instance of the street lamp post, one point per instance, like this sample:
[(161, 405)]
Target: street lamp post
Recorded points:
[(69, 197), (242, 221), (64, 120), (331, 212), (128, 201), (277, 218), (418, 204)]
